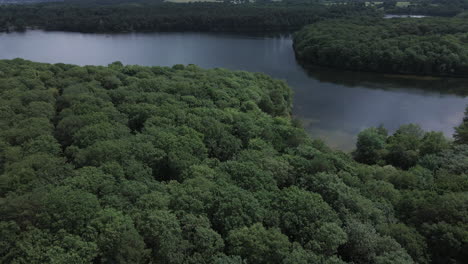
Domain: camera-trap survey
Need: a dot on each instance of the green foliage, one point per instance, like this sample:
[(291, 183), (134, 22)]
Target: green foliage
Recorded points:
[(306, 218), (144, 16), (410, 239), (131, 164), (461, 132), (427, 46), (370, 146), (403, 149), (258, 245), (117, 238), (365, 245)]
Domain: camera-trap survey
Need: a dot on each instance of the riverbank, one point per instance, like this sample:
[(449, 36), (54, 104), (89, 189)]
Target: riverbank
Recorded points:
[(340, 103)]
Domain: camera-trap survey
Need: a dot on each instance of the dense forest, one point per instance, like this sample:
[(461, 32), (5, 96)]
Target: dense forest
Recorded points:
[(145, 16), (427, 46), (132, 164)]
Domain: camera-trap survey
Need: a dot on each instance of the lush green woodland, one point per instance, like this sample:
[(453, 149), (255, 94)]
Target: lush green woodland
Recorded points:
[(132, 164), (143, 16), (429, 46)]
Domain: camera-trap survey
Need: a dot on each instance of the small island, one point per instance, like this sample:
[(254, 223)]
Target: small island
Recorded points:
[(425, 46)]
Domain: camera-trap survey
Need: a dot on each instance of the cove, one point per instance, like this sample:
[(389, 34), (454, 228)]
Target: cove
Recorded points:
[(333, 105)]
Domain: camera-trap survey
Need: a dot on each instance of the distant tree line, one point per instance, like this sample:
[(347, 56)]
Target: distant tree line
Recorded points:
[(445, 8), (154, 16), (428, 46), (132, 164), (428, 7)]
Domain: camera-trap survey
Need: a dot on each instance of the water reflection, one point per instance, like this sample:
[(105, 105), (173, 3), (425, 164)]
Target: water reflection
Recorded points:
[(343, 103), (408, 83)]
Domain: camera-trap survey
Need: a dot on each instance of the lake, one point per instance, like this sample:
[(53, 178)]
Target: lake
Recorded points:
[(404, 16), (333, 105)]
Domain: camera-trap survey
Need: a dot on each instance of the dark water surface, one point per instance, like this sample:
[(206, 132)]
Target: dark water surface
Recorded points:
[(334, 105)]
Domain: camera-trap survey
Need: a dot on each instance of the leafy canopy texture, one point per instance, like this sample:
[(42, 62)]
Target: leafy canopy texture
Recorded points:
[(157, 15), (427, 46), (131, 164)]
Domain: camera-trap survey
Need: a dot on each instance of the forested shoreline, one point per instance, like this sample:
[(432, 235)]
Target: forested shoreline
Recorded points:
[(151, 17), (426, 46), (133, 164)]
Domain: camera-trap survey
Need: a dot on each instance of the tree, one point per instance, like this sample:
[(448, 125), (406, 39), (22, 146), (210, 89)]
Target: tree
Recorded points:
[(40, 246), (117, 238), (68, 209), (257, 244), (370, 146), (365, 245), (306, 218), (203, 242), (461, 132), (410, 239), (433, 143), (163, 236)]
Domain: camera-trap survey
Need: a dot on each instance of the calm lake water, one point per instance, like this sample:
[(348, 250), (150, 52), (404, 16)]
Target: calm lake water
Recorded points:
[(403, 16), (334, 105)]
